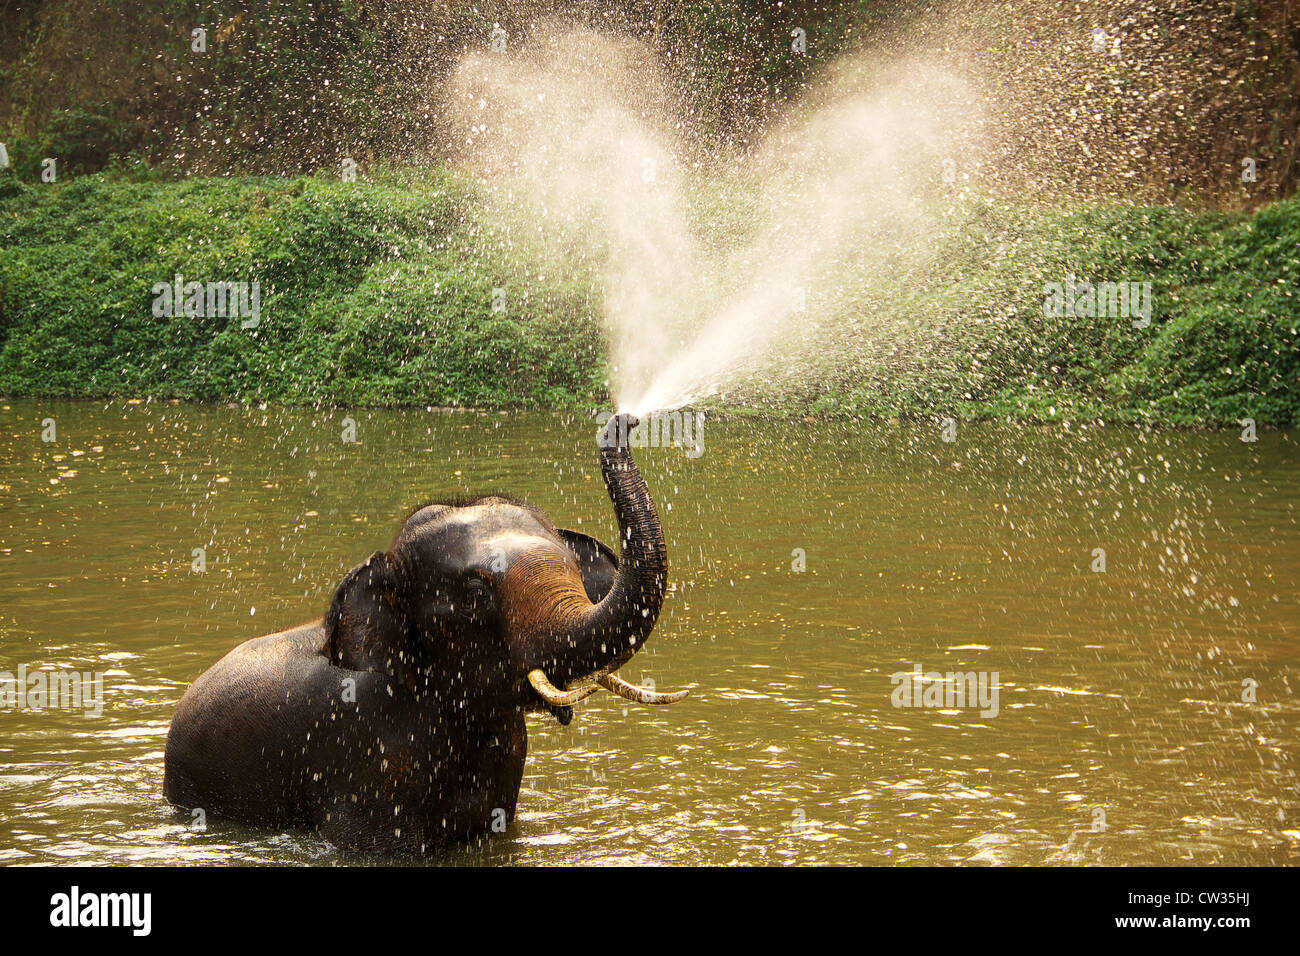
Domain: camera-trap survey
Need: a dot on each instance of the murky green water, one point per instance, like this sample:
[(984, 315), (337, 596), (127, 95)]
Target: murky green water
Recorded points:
[(1121, 737)]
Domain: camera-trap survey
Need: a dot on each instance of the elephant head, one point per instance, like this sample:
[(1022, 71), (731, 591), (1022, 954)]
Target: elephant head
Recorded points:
[(483, 602)]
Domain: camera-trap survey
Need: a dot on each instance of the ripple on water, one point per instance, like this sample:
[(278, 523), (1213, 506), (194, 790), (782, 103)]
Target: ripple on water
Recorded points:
[(1119, 692)]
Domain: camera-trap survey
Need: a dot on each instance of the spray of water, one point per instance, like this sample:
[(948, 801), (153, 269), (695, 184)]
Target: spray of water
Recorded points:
[(719, 265)]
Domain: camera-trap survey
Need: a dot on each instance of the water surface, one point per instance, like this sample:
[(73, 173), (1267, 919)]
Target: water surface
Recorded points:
[(1121, 737)]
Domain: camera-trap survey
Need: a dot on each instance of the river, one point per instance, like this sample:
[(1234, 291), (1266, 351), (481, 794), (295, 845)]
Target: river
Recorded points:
[(1145, 713)]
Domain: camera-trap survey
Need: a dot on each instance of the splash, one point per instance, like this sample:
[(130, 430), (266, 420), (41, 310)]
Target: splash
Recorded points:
[(719, 265)]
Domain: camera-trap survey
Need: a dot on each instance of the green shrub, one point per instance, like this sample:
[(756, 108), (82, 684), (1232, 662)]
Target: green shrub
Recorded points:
[(370, 293), (381, 292)]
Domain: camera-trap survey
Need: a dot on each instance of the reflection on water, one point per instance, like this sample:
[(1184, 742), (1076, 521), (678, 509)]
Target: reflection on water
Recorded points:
[(1122, 733)]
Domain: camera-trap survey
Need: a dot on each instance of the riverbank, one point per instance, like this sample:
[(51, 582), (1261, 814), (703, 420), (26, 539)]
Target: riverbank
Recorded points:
[(400, 292)]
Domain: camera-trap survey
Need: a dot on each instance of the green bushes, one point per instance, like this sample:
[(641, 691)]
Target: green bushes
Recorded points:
[(82, 140), (383, 293), (369, 294), (1223, 341)]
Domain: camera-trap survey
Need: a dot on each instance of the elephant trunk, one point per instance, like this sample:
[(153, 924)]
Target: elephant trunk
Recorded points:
[(581, 638)]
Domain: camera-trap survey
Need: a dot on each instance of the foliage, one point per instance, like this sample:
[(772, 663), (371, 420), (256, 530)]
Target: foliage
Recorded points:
[(381, 292), (1223, 341), (370, 293)]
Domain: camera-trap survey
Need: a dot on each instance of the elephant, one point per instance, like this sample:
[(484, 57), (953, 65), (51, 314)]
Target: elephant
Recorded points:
[(397, 722)]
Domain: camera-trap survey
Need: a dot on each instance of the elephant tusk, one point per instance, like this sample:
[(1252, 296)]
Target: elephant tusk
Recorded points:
[(616, 685), (553, 695)]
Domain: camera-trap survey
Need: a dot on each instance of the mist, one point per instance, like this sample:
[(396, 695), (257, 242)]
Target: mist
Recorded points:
[(716, 263)]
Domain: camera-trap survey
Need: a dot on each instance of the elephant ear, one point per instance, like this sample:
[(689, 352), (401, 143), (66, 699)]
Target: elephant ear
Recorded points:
[(363, 629), (599, 565)]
